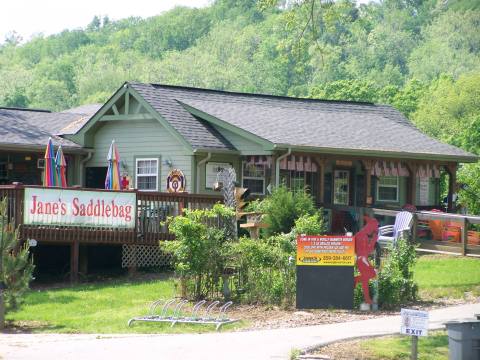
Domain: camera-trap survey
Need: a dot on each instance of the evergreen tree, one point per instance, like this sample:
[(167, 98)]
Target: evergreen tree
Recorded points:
[(16, 266)]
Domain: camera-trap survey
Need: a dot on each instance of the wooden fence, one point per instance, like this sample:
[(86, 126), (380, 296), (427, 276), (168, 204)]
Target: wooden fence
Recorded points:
[(153, 209), (457, 239)]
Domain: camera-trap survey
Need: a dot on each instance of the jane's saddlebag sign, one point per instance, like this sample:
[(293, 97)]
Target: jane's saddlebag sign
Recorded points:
[(69, 207)]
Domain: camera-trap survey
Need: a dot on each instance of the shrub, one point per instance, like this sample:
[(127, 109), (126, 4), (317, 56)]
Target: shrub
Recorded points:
[(16, 264), (201, 249), (267, 266), (310, 224), (395, 280), (282, 208), (266, 269)]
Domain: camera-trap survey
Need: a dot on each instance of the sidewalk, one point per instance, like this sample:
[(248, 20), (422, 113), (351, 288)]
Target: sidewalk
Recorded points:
[(252, 345)]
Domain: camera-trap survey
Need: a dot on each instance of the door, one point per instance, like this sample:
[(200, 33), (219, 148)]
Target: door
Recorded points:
[(341, 187), (95, 177)]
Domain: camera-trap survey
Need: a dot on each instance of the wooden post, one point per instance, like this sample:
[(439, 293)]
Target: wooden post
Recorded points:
[(368, 165), (412, 183), (273, 171), (321, 181), (452, 180), (464, 236), (74, 255), (414, 229), (414, 354), (83, 262)]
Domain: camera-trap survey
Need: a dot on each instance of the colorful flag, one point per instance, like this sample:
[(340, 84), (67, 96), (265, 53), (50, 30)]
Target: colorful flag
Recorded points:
[(112, 180)]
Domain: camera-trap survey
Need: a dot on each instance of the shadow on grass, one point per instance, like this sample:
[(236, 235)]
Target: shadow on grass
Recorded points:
[(39, 298), (99, 284), (29, 327)]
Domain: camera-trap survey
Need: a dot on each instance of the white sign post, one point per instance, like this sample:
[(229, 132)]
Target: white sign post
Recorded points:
[(415, 324)]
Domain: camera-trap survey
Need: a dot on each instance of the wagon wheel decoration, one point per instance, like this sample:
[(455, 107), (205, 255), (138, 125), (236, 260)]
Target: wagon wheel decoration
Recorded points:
[(176, 181)]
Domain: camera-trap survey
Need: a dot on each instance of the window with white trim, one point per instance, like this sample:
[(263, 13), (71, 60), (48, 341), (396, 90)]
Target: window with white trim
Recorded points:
[(147, 174), (341, 187), (253, 176), (387, 188)]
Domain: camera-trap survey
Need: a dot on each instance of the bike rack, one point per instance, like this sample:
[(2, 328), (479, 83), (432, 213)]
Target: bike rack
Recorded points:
[(175, 317)]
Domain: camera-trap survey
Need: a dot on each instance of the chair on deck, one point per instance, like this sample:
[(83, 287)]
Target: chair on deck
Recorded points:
[(389, 234)]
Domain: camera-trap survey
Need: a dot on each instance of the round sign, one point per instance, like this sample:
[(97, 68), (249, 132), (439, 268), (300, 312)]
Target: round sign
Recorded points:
[(176, 181)]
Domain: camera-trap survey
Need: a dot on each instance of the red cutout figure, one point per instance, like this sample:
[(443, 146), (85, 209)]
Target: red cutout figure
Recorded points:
[(365, 241)]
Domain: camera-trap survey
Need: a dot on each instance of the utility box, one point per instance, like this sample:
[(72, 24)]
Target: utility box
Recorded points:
[(464, 339)]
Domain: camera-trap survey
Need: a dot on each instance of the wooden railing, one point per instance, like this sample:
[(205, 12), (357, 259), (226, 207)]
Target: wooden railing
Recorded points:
[(460, 227), (153, 209)]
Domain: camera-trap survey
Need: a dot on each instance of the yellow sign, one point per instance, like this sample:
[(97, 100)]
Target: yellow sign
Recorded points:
[(326, 250)]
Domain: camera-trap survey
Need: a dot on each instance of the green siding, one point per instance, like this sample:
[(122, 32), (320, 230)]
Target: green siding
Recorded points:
[(232, 159), (141, 138), (244, 145)]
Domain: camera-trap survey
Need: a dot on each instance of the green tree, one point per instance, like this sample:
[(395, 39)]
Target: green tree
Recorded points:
[(451, 46), (16, 266)]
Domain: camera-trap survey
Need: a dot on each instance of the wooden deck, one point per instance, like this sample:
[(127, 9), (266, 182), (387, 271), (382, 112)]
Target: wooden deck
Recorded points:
[(421, 219), (152, 210)]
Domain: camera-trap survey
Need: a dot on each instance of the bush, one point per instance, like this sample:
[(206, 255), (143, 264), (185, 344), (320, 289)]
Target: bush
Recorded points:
[(16, 264), (310, 224), (395, 280), (267, 269), (267, 266), (282, 208), (201, 249)]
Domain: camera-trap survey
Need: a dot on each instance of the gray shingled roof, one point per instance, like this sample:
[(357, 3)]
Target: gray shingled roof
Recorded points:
[(198, 133), (32, 128), (331, 125)]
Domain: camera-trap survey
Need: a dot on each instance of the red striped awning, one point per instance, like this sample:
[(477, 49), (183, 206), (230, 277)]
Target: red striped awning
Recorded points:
[(298, 163), (397, 168), (259, 160)]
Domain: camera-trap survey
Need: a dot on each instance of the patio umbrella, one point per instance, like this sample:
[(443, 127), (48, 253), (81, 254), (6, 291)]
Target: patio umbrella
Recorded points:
[(50, 177), (112, 181), (61, 167)]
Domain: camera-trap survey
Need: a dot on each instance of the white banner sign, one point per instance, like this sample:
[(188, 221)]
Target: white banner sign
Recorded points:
[(79, 208), (414, 322)]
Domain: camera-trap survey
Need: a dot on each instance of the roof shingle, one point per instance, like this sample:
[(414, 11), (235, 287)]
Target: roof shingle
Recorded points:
[(332, 125)]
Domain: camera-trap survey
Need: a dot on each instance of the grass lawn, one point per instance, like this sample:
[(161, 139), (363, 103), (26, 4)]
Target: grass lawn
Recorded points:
[(106, 307), (98, 308), (432, 347), (396, 347), (440, 276)]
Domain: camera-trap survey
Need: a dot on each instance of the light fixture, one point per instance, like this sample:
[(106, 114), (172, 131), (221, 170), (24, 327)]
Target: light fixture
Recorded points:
[(168, 162)]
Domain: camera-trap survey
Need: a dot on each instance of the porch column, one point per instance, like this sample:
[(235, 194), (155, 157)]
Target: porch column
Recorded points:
[(368, 165), (321, 179), (412, 183), (452, 180), (273, 171)]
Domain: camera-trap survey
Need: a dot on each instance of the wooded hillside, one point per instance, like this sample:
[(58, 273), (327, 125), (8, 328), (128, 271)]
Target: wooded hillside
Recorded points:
[(423, 57)]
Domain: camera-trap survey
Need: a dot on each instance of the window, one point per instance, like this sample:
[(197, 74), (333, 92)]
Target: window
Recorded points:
[(387, 188), (254, 178), (147, 174), (341, 187)]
